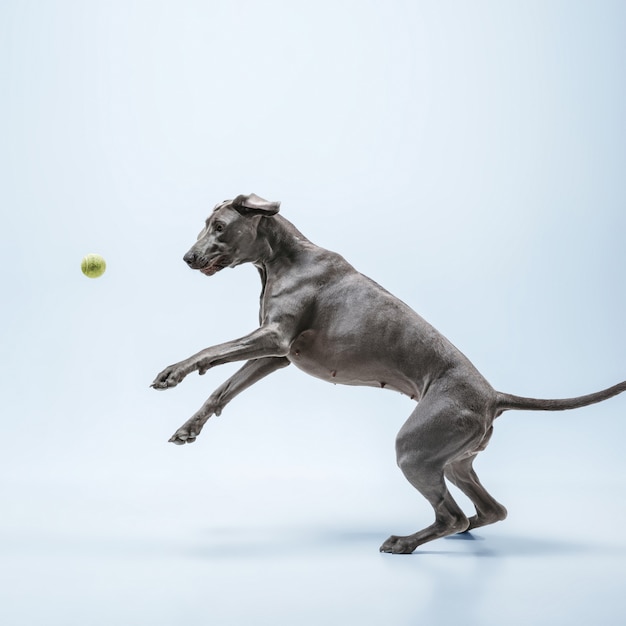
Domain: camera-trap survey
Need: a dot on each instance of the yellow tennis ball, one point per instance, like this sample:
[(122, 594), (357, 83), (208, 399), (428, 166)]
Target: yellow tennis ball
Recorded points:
[(93, 265)]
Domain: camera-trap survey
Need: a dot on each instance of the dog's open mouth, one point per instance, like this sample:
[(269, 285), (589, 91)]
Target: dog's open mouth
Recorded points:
[(215, 266)]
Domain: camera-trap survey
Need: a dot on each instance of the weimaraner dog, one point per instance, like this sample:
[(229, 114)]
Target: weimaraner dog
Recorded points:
[(334, 323)]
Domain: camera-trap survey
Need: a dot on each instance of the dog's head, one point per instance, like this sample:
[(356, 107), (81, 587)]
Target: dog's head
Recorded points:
[(230, 237)]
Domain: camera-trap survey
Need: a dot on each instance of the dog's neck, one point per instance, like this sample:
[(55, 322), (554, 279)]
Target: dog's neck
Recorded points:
[(281, 242)]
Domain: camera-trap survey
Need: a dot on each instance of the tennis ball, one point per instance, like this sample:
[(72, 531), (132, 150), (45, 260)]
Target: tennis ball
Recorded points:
[(93, 265)]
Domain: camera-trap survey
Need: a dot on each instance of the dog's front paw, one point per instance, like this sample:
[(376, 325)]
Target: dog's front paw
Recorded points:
[(170, 376), (188, 432)]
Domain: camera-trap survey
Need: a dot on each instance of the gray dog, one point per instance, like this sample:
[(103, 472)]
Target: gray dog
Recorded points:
[(329, 320)]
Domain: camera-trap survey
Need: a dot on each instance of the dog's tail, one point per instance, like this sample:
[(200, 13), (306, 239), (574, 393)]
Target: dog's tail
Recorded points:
[(506, 401)]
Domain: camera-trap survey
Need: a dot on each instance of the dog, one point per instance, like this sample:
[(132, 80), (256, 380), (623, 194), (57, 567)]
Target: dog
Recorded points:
[(334, 323)]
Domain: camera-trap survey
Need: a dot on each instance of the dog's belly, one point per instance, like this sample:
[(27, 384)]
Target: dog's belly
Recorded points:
[(349, 362)]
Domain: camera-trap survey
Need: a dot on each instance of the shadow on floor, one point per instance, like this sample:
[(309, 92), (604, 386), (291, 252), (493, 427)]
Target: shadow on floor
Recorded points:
[(254, 542)]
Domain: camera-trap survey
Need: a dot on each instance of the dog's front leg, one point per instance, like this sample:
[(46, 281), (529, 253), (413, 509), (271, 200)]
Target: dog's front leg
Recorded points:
[(248, 375), (264, 342)]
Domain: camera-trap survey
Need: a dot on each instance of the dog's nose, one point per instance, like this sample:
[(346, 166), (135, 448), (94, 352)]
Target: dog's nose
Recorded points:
[(190, 258)]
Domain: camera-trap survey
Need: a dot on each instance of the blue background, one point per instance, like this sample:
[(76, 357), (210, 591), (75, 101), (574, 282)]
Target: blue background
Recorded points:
[(469, 156)]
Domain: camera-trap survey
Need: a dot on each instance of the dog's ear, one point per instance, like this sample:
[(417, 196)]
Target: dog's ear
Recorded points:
[(252, 204)]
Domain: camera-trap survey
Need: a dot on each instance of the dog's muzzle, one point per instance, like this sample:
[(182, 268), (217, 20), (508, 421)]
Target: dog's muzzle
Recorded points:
[(208, 268), (215, 266)]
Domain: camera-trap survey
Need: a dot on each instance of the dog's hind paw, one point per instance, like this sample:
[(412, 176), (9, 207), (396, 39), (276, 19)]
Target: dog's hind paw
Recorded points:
[(398, 545)]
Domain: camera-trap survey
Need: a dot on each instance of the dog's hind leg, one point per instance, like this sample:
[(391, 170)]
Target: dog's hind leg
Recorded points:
[(488, 509), (438, 431)]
